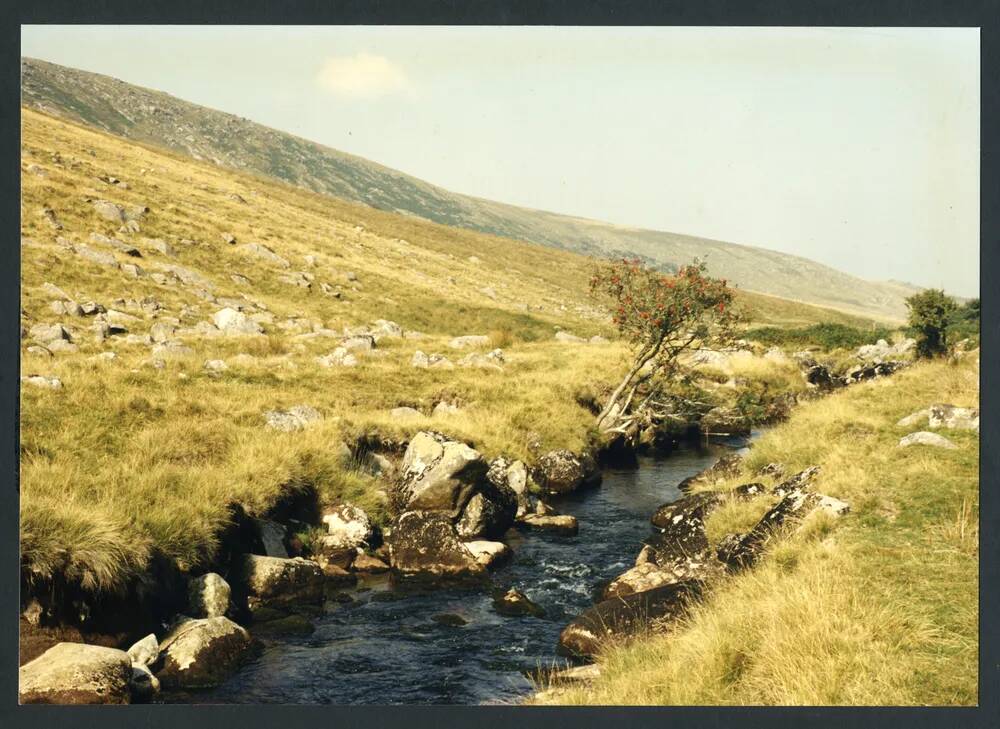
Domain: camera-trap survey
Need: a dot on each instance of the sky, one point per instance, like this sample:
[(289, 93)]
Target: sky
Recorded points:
[(858, 148)]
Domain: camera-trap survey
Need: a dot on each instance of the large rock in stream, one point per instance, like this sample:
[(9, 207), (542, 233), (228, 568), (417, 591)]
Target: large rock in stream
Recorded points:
[(449, 477), (76, 673), (425, 545), (562, 471), (201, 653), (274, 583), (623, 617)]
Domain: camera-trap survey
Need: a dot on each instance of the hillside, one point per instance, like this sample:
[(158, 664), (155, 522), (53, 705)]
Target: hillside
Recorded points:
[(226, 140), (160, 442)]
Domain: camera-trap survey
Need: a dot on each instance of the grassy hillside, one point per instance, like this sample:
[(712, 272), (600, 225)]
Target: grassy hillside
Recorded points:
[(227, 140), (128, 460), (880, 608)]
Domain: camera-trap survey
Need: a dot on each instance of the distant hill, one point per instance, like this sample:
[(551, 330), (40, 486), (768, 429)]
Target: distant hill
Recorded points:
[(160, 119)]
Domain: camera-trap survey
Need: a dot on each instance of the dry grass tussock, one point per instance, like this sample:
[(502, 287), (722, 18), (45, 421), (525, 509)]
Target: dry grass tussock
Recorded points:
[(879, 607)]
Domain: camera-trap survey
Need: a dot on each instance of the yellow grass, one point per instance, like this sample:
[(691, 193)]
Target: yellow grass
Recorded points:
[(879, 607)]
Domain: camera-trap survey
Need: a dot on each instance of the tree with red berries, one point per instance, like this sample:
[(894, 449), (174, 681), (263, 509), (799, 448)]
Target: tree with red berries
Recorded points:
[(661, 315)]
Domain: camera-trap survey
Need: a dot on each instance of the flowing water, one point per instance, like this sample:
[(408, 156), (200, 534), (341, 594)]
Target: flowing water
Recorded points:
[(386, 647)]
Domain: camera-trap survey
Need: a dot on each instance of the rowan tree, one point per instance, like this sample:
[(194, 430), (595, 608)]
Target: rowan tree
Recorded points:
[(661, 315)]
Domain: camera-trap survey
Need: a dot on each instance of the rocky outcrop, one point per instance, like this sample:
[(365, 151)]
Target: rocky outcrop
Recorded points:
[(201, 653), (425, 545), (725, 468), (619, 618), (799, 481), (650, 575), (76, 673), (742, 550)]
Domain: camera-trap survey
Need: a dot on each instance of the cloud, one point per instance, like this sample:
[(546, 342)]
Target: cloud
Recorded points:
[(363, 75)]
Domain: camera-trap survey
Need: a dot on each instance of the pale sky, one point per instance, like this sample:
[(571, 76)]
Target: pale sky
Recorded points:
[(858, 148)]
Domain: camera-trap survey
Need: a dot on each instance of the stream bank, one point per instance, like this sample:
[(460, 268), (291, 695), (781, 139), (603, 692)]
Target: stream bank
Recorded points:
[(392, 644)]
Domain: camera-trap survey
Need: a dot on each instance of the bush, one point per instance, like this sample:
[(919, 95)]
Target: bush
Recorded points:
[(930, 313), (827, 336)]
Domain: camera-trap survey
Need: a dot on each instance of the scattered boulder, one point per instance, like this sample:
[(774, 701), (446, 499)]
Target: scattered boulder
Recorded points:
[(49, 383), (491, 361), (515, 603), (420, 360), (469, 341), (76, 673), (620, 618), (295, 418), (235, 322), (256, 250), (424, 544), (953, 418), (339, 357), (405, 413), (109, 211), (514, 476), (649, 576), (200, 653), (208, 596), (926, 438), (48, 333), (568, 338), (216, 365), (914, 418)]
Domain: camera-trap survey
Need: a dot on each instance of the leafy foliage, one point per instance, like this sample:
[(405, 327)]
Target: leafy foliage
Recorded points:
[(964, 321), (930, 313), (660, 316)]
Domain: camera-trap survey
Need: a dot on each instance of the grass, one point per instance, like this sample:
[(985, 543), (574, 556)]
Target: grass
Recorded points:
[(127, 461), (879, 607)]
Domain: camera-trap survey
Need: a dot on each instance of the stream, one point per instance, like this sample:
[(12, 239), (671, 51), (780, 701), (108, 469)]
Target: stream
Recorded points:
[(392, 646)]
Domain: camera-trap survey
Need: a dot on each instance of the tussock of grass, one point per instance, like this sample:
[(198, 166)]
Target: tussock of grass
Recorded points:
[(878, 607)]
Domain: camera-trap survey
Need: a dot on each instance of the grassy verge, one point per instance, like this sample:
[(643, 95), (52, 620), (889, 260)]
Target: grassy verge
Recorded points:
[(880, 607)]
